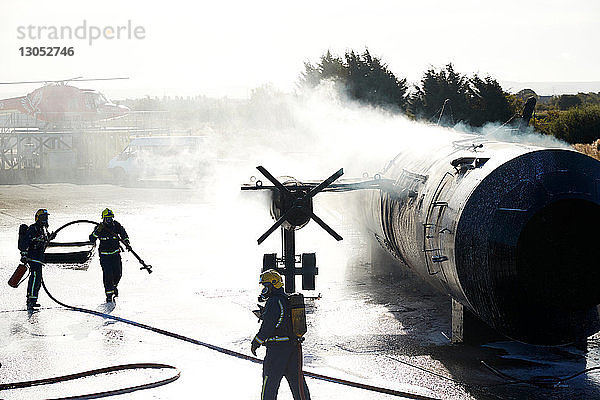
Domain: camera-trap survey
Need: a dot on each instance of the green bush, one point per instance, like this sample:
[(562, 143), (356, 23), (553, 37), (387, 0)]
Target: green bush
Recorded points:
[(577, 125), (567, 101)]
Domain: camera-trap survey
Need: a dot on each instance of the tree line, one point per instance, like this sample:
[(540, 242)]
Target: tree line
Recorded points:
[(572, 118), (443, 96), (447, 97)]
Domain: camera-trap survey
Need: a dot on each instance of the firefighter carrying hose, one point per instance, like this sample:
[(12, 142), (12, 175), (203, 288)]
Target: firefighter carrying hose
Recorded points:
[(276, 334), (108, 232), (32, 246)]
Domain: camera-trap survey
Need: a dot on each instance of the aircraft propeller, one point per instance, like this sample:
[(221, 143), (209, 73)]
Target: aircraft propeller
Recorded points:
[(299, 203)]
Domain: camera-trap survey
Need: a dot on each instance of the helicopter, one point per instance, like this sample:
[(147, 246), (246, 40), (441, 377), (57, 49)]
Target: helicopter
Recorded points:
[(57, 101)]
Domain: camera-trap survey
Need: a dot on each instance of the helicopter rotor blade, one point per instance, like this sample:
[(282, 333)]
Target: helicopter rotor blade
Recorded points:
[(78, 79), (98, 79), (23, 82)]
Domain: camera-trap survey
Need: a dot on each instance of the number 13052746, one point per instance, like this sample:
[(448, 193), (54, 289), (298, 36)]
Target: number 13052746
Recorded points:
[(46, 51)]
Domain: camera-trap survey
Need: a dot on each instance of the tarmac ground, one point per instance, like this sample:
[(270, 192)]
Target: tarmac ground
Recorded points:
[(371, 323)]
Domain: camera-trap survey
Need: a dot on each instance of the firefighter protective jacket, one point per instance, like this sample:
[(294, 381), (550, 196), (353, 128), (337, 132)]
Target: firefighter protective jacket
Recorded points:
[(276, 320), (109, 237), (36, 241)]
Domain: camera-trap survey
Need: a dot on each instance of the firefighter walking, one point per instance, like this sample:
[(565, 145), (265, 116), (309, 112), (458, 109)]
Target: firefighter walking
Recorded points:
[(109, 232), (277, 335), (33, 245)]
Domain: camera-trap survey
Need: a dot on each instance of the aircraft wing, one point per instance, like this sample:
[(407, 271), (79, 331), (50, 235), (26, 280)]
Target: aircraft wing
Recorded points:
[(342, 186)]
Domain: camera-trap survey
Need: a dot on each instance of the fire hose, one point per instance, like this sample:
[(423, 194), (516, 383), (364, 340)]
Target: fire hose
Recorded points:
[(223, 351), (228, 352), (232, 353), (547, 382), (179, 337), (47, 381)]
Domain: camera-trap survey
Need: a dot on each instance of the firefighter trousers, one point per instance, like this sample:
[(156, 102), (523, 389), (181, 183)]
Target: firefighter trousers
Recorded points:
[(111, 271), (35, 281), (281, 360)]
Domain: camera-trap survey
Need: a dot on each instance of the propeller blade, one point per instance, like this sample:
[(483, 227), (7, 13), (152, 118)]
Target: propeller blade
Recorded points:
[(324, 225), (294, 205), (273, 180), (326, 183), (276, 225)]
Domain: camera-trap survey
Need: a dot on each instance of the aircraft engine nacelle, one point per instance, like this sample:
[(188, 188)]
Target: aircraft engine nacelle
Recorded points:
[(509, 231), (298, 216)]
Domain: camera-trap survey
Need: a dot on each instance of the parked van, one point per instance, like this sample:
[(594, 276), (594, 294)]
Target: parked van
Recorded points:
[(166, 158)]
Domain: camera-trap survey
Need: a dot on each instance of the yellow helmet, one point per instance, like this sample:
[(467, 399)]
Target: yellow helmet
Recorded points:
[(107, 213), (273, 277), (41, 213)]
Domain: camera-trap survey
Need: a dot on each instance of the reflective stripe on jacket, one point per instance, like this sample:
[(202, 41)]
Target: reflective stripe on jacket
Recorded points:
[(276, 319), (109, 237)]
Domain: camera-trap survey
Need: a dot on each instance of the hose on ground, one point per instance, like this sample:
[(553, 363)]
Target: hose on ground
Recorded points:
[(540, 381), (236, 354), (99, 371)]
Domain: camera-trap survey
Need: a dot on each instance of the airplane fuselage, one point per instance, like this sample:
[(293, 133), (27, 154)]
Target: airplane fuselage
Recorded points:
[(507, 230)]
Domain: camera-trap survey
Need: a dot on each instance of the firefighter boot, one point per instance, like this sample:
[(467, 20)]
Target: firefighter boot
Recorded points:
[(32, 303)]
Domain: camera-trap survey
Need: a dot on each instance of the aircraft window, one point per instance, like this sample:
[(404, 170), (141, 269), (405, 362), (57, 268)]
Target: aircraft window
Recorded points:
[(94, 100), (89, 101)]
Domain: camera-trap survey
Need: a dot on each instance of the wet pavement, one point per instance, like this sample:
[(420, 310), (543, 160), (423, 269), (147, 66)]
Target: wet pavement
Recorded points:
[(370, 325)]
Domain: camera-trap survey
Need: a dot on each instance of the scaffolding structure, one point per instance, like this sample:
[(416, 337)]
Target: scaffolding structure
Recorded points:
[(70, 149)]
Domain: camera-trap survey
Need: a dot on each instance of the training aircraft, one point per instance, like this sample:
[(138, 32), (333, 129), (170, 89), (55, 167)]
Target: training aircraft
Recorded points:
[(507, 230), (57, 101)]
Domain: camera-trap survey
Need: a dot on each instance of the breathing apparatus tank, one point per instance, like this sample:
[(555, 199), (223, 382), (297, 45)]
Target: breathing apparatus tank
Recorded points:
[(298, 312), (22, 234)]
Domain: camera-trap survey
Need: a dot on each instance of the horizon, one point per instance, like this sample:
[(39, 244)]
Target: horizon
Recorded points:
[(545, 89)]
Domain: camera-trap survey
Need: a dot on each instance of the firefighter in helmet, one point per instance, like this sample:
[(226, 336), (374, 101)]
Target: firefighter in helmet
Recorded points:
[(276, 335), (109, 232), (35, 242)]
